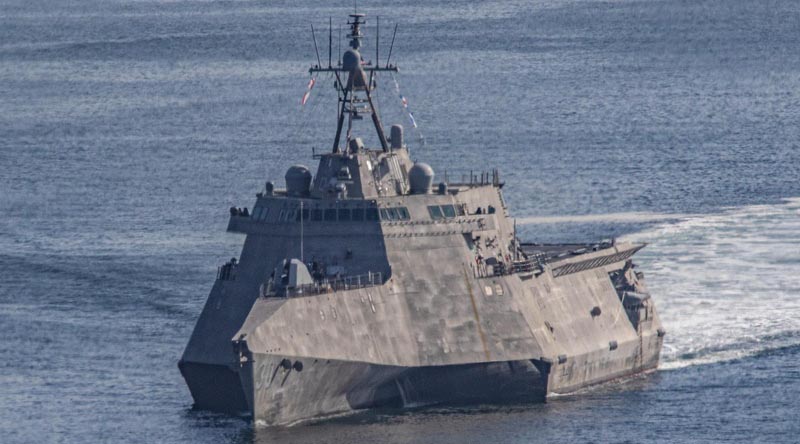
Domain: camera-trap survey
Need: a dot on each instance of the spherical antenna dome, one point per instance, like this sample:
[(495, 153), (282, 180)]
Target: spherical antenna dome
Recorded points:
[(298, 180), (351, 59), (420, 178)]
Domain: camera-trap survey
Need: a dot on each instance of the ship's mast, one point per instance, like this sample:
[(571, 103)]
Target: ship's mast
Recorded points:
[(355, 96)]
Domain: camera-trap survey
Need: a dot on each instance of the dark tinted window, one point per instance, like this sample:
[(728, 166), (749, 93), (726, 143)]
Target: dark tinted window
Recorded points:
[(435, 211), (316, 214), (460, 210), (330, 214), (393, 213), (403, 213), (448, 211), (306, 213), (296, 215), (384, 214), (358, 214), (372, 214), (344, 214)]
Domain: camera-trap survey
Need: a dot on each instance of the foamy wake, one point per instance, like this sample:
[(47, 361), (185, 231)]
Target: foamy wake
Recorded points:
[(632, 217), (726, 285)]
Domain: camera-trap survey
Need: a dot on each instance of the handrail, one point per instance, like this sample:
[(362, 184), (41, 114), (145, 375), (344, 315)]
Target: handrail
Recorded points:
[(532, 264), (471, 177), (343, 283), (526, 265)]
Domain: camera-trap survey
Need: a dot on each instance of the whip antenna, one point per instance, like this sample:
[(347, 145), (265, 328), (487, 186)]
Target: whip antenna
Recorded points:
[(378, 42), (391, 46), (314, 36)]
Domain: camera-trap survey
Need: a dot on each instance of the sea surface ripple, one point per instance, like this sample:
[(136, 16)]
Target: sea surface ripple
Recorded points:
[(127, 128)]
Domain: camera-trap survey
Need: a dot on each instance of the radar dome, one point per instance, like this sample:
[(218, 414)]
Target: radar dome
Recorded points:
[(351, 59), (298, 180), (420, 178)]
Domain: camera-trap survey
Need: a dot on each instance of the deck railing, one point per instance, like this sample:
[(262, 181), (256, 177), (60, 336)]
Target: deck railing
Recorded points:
[(471, 177), (342, 283), (534, 263)]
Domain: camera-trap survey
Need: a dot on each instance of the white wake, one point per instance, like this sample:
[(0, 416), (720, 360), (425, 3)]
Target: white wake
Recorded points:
[(726, 285), (627, 217)]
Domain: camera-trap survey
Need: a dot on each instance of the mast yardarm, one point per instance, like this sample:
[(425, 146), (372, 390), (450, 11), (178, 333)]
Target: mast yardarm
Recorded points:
[(355, 94)]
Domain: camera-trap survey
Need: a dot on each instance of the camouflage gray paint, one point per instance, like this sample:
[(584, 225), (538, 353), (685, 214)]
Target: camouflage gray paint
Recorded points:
[(407, 294)]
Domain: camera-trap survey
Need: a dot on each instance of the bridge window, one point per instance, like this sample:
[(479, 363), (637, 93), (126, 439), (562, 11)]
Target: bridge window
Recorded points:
[(444, 211), (358, 214), (402, 213), (395, 213), (316, 214), (435, 212), (330, 215), (372, 214), (260, 213), (296, 214), (344, 214), (449, 211)]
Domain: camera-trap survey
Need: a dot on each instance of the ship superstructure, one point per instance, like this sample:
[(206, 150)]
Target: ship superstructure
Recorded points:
[(367, 284)]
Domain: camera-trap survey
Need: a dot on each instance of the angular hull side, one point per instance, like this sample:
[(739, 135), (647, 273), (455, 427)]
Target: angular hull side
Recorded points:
[(471, 340), (215, 387), (603, 365), (325, 388), (209, 364)]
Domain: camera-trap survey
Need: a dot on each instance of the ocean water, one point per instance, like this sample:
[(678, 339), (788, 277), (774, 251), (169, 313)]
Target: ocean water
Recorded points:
[(127, 128)]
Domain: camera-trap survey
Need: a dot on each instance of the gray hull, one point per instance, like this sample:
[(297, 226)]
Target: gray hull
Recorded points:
[(322, 388), (275, 395), (325, 388), (216, 388), (403, 349)]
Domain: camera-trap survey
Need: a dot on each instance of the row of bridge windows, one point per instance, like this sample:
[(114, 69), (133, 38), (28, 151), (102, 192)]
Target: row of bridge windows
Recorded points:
[(335, 214), (356, 214)]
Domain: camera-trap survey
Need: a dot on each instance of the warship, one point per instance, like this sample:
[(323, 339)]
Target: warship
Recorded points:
[(366, 285)]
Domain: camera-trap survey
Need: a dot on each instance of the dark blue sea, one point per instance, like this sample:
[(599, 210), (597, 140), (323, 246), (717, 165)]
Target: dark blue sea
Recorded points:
[(128, 128)]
